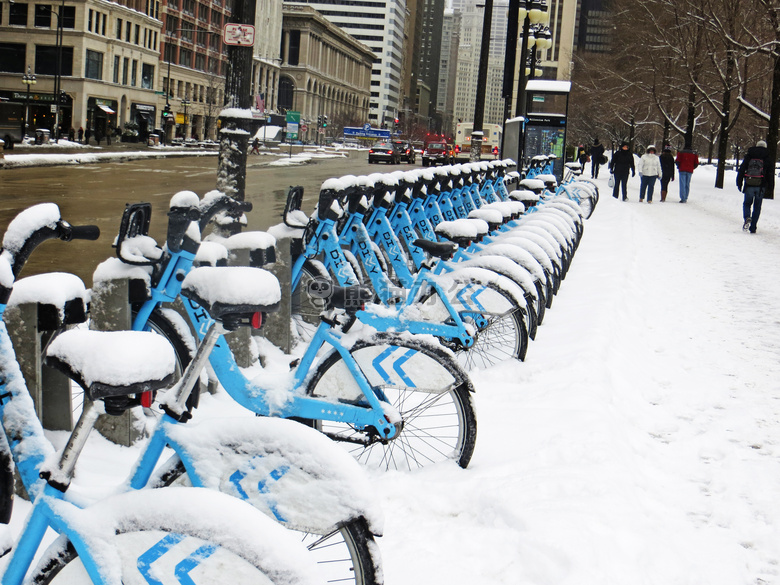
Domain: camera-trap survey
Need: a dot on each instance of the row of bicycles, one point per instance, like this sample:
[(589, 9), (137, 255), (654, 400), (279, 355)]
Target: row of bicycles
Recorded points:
[(402, 284)]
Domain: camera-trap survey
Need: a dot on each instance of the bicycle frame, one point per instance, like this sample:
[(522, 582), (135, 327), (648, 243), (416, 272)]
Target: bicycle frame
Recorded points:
[(246, 392)]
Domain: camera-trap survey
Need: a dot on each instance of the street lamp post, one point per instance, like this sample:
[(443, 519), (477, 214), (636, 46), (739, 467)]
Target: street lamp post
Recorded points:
[(28, 79)]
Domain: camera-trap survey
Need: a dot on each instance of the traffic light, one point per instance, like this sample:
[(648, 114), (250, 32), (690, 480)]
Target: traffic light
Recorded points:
[(396, 121), (63, 97), (167, 114), (324, 121), (319, 121)]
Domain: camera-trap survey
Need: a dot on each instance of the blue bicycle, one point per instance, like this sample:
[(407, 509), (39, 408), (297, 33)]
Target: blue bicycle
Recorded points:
[(135, 537)]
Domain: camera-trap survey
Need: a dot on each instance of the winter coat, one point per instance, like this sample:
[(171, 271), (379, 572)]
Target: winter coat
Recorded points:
[(622, 162), (596, 152), (687, 161), (649, 165), (667, 165), (762, 152)]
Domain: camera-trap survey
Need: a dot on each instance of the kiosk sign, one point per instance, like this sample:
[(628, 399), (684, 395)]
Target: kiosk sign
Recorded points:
[(239, 35)]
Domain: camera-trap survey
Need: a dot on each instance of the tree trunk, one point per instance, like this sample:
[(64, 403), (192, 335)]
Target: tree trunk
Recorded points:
[(691, 117), (774, 119)]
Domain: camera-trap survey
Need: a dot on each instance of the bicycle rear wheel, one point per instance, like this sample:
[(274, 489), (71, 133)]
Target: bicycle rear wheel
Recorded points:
[(423, 382)]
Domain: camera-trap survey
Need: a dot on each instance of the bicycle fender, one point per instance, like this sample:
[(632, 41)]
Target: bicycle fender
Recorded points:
[(288, 471)]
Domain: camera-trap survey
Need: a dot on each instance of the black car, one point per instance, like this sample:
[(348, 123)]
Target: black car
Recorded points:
[(405, 151), (384, 152)]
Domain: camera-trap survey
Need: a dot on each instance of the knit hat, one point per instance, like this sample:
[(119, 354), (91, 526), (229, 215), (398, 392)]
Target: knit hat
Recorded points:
[(651, 147), (761, 143)]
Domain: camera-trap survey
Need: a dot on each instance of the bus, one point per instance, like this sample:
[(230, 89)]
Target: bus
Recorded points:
[(11, 122), (491, 140)]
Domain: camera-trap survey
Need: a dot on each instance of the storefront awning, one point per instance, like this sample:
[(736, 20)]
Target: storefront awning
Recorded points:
[(106, 109)]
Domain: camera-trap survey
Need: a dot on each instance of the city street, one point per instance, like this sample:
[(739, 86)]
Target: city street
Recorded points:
[(97, 193)]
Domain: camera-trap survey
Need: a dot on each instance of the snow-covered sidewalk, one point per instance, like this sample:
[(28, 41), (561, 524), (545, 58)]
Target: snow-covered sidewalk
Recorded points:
[(640, 441)]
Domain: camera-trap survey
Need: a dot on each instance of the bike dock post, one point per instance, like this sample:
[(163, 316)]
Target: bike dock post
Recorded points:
[(31, 324)]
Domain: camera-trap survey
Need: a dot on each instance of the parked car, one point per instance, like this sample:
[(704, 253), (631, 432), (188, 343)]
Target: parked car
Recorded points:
[(405, 151), (438, 153), (383, 152)]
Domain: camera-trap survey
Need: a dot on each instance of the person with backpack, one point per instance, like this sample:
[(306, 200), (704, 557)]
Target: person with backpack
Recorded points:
[(667, 170), (755, 177)]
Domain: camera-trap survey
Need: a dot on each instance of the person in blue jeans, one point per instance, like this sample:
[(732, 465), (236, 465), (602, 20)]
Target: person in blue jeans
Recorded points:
[(649, 171), (755, 177), (687, 160)]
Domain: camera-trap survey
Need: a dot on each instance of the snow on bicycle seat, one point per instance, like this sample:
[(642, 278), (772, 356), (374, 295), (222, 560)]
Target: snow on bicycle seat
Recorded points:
[(493, 217), (231, 293), (463, 231), (524, 195), (441, 250), (211, 254), (62, 298), (510, 209), (113, 363), (261, 247), (535, 185)]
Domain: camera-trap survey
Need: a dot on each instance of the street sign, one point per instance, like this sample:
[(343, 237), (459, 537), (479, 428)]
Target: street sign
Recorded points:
[(304, 127), (159, 93), (375, 133), (293, 120), (241, 35)]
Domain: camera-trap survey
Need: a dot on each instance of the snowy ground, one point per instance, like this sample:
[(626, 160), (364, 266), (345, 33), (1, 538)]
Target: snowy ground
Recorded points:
[(639, 442)]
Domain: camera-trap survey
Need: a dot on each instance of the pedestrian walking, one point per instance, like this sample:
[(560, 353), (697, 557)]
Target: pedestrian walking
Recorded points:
[(667, 170), (649, 171), (582, 157), (81, 134), (687, 160), (255, 146), (72, 134), (755, 177), (621, 164), (109, 132), (597, 158), (87, 134)]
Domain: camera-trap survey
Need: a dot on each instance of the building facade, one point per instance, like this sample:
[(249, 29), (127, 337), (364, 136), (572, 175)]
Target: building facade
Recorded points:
[(108, 70), (324, 72), (380, 25)]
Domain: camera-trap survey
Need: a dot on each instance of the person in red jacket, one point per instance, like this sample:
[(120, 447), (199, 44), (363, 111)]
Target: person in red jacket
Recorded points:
[(687, 160)]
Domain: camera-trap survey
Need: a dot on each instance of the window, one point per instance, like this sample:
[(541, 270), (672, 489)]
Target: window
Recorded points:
[(68, 16), (154, 41), (94, 65), (46, 60), (89, 19), (188, 7), (185, 58), (171, 23), (134, 74), (119, 28), (201, 37), (137, 34), (125, 70), (170, 53), (295, 46), (42, 16), (128, 28), (12, 57), (200, 62), (17, 14), (186, 31), (147, 75), (103, 26)]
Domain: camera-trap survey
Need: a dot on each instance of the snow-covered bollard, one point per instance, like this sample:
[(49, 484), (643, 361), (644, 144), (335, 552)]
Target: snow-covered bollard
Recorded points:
[(38, 307)]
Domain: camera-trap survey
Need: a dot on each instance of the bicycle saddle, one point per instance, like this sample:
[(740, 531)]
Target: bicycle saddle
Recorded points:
[(441, 250), (232, 295), (113, 363), (463, 231)]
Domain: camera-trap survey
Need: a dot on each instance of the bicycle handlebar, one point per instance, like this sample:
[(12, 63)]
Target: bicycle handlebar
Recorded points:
[(212, 207), (62, 230), (83, 232)]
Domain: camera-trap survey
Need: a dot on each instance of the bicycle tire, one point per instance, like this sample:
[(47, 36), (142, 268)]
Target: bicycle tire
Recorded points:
[(352, 538), (211, 550), (416, 445)]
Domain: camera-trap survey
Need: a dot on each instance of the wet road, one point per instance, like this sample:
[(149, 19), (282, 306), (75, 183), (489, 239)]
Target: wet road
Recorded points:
[(97, 193)]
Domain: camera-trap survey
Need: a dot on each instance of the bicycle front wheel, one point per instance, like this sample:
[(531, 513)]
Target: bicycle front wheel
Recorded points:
[(423, 382)]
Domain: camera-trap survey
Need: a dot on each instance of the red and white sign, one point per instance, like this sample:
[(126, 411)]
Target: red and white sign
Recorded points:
[(304, 127), (242, 35)]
